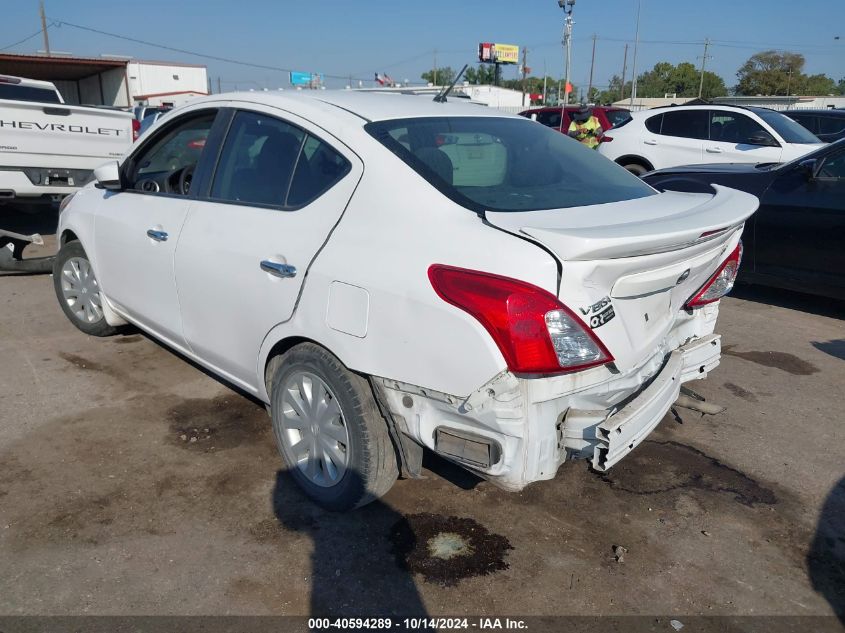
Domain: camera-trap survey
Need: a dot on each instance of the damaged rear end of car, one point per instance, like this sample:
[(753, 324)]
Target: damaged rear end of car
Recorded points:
[(595, 363)]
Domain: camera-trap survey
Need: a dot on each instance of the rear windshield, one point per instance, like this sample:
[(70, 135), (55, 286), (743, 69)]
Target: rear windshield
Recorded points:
[(14, 92), (503, 164), (618, 118), (791, 131)]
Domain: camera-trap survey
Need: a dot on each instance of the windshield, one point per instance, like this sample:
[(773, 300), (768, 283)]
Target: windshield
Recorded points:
[(790, 131), (504, 164)]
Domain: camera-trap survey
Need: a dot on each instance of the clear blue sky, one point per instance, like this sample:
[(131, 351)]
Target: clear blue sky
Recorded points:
[(400, 36)]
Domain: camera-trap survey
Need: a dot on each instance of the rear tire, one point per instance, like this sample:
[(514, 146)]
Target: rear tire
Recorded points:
[(78, 291), (329, 430), (636, 169)]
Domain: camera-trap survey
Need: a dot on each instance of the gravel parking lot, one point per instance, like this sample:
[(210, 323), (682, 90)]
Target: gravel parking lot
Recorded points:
[(131, 482)]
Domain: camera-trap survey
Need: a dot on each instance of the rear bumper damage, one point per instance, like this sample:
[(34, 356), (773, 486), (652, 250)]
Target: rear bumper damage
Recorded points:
[(515, 430)]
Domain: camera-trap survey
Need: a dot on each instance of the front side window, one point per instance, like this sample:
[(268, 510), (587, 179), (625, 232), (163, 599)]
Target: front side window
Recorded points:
[(503, 164), (732, 127), (685, 124), (166, 163), (618, 118), (266, 161), (789, 130), (833, 167), (549, 118), (806, 120), (831, 125)]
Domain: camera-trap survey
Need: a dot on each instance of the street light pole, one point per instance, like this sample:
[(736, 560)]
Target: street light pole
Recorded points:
[(636, 47), (567, 6)]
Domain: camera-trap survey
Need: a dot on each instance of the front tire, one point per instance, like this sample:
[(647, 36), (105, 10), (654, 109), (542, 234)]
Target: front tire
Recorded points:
[(329, 430), (78, 291)]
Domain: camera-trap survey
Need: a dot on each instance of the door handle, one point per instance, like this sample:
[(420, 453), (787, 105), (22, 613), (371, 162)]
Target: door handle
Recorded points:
[(158, 236), (713, 150), (278, 270), (650, 142)]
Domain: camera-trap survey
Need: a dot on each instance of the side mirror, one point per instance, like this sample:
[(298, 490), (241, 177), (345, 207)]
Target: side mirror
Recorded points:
[(763, 138), (108, 176), (810, 167)]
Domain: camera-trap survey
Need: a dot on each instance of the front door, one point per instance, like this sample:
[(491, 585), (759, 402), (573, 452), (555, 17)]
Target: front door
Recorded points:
[(279, 188), (800, 227), (137, 229), (737, 138)]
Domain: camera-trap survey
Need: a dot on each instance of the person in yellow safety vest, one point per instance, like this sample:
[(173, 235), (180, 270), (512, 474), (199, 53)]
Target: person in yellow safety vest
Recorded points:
[(585, 127)]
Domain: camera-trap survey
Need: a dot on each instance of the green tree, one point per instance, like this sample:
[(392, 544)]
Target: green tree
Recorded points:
[(484, 74), (440, 76), (771, 73), (682, 80), (818, 85)]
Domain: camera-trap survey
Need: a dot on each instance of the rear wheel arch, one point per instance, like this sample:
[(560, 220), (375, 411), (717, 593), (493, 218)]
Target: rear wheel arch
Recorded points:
[(634, 160), (68, 236)]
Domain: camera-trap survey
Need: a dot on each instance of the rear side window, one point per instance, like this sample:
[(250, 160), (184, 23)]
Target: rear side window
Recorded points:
[(654, 123), (685, 124), (14, 92), (831, 125), (504, 164), (807, 120), (549, 118), (266, 161)]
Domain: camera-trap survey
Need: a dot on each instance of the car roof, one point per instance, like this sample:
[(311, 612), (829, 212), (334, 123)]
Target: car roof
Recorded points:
[(370, 106), (833, 111), (603, 108)]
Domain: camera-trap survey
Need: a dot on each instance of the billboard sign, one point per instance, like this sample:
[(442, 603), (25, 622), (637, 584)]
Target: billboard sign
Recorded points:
[(305, 79), (492, 53)]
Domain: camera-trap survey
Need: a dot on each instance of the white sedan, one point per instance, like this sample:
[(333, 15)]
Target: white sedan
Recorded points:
[(392, 274)]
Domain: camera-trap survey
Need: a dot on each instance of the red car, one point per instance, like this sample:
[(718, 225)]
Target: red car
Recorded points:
[(608, 116)]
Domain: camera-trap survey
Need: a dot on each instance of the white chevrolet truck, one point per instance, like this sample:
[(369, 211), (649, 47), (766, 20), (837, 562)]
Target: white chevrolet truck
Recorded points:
[(49, 149)]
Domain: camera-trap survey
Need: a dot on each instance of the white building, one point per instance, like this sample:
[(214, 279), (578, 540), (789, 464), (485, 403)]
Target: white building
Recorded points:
[(111, 80)]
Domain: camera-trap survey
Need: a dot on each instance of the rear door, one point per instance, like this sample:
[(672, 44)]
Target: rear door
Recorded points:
[(279, 187), (680, 139), (800, 227), (734, 139)]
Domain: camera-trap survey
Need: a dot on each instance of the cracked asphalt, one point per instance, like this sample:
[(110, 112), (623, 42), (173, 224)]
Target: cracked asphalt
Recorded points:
[(131, 482)]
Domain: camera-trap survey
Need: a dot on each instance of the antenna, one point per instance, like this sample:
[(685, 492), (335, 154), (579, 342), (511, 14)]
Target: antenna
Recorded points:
[(441, 96)]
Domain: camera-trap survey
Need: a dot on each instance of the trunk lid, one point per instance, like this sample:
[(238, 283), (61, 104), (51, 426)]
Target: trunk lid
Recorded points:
[(629, 267)]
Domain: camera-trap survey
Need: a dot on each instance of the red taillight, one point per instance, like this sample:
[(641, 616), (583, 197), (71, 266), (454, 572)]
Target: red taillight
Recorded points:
[(720, 283), (136, 128), (535, 332), (606, 139)]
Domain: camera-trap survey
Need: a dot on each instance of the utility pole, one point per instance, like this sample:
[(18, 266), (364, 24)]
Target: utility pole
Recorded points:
[(624, 70), (592, 65), (636, 48), (567, 6), (524, 72), (44, 28), (435, 67), (703, 62), (219, 86), (544, 82)]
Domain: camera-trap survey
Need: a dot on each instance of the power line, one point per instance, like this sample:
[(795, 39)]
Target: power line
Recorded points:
[(26, 39), (217, 58)]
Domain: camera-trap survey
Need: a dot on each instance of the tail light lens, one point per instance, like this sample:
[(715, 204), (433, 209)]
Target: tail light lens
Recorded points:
[(535, 332), (136, 128), (720, 283), (606, 139)]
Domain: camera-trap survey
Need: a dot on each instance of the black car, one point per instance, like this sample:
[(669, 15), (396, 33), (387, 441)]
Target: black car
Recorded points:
[(827, 124), (796, 240)]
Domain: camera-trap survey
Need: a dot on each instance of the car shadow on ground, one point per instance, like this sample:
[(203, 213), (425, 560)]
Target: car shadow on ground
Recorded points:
[(835, 348), (812, 304), (826, 558), (354, 571)]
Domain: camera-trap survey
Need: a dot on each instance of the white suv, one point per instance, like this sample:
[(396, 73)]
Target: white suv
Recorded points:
[(684, 135)]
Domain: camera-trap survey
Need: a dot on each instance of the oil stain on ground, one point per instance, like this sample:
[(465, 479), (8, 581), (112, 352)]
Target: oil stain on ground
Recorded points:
[(660, 467), (447, 549), (779, 360), (217, 423), (740, 392)]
